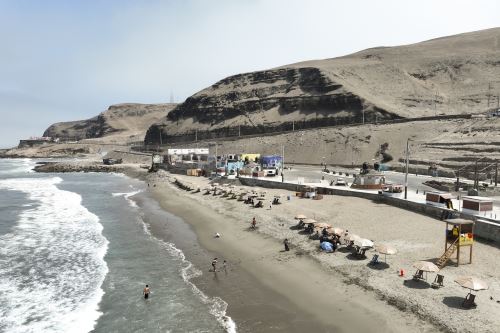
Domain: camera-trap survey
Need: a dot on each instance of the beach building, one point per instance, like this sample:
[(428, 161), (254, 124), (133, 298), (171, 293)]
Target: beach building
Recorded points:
[(190, 155), (476, 205), (36, 141), (370, 180), (247, 158), (271, 164), (439, 199)]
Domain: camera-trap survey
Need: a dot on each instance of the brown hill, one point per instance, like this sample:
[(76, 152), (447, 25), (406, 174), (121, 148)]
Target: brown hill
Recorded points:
[(120, 123), (444, 76)]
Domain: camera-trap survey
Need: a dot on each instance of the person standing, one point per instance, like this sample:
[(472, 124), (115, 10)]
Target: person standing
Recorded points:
[(224, 266), (287, 245), (214, 265), (146, 292)]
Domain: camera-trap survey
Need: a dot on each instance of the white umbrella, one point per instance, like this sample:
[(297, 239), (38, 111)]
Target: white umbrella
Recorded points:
[(310, 221), (472, 283), (385, 250), (426, 266), (363, 242), (300, 217)]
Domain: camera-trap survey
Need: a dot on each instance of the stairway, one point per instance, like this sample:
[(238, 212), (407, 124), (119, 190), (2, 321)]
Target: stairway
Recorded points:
[(447, 254)]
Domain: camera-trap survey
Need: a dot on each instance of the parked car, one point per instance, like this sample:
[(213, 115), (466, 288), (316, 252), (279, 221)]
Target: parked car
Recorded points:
[(340, 182)]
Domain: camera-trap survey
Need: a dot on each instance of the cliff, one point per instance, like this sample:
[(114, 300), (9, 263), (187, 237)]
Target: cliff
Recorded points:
[(446, 76), (119, 123)]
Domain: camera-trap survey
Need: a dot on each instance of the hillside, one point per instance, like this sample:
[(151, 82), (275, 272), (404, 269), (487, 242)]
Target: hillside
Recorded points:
[(450, 75), (120, 123)]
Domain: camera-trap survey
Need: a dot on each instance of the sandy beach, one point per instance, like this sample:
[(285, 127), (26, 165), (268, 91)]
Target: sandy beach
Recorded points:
[(338, 292)]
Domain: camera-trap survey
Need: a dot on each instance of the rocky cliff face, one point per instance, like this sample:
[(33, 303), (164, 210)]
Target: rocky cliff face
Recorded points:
[(451, 75), (122, 121)]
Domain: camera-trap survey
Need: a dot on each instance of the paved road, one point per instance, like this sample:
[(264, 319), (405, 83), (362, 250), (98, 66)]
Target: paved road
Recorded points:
[(315, 173)]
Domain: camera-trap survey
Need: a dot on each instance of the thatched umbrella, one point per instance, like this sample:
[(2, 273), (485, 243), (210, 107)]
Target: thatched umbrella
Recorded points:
[(321, 225), (335, 231), (426, 266), (385, 250)]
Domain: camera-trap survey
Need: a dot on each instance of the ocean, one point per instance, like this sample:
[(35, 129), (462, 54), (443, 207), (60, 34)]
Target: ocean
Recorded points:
[(76, 252)]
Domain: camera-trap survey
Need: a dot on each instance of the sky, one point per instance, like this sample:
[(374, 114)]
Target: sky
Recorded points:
[(69, 60)]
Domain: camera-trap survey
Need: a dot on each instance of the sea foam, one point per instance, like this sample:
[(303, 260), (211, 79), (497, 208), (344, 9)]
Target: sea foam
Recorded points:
[(52, 262), (217, 306)]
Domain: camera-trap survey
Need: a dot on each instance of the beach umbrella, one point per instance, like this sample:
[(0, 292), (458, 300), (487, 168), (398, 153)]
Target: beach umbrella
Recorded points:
[(472, 283), (335, 231), (385, 250), (363, 242), (300, 217), (310, 221), (321, 225), (426, 266)]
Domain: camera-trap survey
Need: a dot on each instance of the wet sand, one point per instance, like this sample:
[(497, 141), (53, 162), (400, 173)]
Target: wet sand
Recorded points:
[(268, 289)]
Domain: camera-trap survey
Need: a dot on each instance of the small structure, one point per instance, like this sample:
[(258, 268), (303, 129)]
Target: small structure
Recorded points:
[(248, 158), (271, 164), (439, 199), (459, 234), (477, 205), (370, 180)]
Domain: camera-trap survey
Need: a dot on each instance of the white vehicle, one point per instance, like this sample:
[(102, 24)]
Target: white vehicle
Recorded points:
[(340, 182), (270, 172)]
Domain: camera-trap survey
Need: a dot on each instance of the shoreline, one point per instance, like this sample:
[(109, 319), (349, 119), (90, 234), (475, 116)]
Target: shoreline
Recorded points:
[(381, 292), (317, 292)]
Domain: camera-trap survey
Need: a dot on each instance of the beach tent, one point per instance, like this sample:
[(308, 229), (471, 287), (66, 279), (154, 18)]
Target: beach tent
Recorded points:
[(327, 246)]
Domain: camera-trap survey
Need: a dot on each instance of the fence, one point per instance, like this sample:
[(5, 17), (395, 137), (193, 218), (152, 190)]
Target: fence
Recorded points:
[(235, 132)]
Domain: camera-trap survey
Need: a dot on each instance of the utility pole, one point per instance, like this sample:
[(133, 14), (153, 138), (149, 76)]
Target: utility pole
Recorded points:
[(282, 163), (476, 182), (239, 130), (216, 171), (489, 94), (496, 173), (196, 135), (406, 171), (363, 111), (293, 125)]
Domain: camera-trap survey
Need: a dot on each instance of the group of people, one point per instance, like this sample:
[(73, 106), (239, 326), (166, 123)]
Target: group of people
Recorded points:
[(214, 265), (332, 239)]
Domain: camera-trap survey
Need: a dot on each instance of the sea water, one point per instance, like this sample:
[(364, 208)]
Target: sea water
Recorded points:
[(75, 255)]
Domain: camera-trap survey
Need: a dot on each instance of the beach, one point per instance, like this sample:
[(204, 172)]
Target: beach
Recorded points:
[(333, 289)]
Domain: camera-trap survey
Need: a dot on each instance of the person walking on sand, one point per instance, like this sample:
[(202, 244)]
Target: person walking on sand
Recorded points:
[(214, 265), (254, 223), (146, 292), (224, 266), (287, 245)]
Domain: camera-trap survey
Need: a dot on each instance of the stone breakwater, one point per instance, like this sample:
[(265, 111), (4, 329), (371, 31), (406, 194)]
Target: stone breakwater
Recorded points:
[(60, 167)]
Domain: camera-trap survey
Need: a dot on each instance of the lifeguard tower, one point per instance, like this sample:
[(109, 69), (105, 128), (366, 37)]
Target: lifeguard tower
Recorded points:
[(459, 234)]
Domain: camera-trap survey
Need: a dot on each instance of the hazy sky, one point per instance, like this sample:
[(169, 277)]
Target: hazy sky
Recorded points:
[(69, 60)]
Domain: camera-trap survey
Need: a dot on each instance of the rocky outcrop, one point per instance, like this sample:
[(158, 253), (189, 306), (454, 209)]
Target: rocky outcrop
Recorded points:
[(129, 120), (444, 76)]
